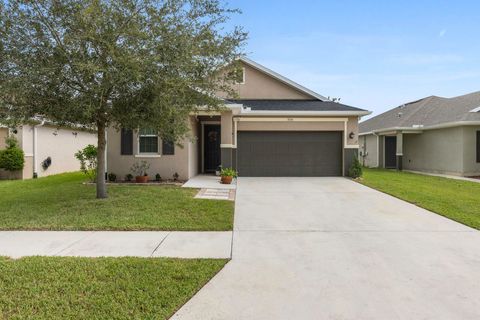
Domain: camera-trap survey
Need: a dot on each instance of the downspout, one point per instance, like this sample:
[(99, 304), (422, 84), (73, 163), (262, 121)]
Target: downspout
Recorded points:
[(35, 149), (378, 148)]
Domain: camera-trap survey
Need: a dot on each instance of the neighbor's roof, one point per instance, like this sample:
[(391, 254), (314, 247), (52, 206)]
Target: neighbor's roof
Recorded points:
[(293, 105), (430, 111), (281, 78)]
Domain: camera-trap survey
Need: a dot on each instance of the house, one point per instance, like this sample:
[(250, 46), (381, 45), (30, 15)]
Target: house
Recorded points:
[(48, 149), (273, 127), (434, 134)]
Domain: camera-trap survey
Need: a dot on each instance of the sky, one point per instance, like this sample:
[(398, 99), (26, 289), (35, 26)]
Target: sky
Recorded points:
[(374, 55)]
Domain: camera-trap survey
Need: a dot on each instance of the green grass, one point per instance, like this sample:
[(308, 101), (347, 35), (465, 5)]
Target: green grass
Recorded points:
[(99, 288), (63, 202), (455, 199)]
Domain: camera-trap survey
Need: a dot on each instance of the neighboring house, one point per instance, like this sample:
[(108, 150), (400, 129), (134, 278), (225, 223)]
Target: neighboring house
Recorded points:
[(434, 134), (274, 127), (48, 149)]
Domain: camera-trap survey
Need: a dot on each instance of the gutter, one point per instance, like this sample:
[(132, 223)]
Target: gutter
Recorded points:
[(432, 127), (248, 112)]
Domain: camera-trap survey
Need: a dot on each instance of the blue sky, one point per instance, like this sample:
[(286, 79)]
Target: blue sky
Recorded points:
[(372, 54)]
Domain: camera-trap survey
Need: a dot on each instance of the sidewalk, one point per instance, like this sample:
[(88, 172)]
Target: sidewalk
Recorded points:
[(445, 176), (175, 244)]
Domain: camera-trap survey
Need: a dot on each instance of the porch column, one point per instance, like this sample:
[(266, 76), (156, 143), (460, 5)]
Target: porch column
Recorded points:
[(399, 150), (226, 145)]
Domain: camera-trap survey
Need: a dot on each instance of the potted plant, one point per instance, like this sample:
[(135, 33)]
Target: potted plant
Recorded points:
[(139, 170), (227, 175)]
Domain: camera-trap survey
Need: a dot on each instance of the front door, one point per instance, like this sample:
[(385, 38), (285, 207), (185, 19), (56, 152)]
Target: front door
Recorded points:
[(390, 152), (211, 151)]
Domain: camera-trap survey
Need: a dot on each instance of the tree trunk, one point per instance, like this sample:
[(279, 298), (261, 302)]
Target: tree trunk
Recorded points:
[(101, 185)]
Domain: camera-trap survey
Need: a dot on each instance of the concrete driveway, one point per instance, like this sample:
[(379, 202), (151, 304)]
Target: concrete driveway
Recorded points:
[(329, 248)]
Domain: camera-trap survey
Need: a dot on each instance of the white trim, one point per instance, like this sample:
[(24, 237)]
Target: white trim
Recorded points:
[(399, 154), (288, 119), (148, 155), (281, 78), (304, 113), (227, 145), (418, 130), (352, 146), (477, 109), (28, 155)]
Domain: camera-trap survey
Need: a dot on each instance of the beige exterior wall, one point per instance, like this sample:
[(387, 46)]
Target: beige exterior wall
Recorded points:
[(226, 123), (369, 147), (290, 126), (184, 161), (437, 151), (3, 135), (470, 165), (258, 85)]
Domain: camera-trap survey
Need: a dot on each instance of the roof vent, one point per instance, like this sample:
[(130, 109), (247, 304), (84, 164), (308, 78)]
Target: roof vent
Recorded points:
[(417, 126)]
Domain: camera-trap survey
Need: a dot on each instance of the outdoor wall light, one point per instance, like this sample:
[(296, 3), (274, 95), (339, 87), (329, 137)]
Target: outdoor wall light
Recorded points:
[(351, 135)]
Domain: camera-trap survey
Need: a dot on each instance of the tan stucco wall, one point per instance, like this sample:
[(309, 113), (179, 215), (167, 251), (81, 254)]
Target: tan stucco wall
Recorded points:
[(290, 126), (194, 148), (368, 145), (3, 135), (352, 126), (470, 165), (437, 151), (258, 85), (226, 123), (181, 162)]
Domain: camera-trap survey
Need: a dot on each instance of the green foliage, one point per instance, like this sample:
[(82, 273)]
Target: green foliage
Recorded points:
[(158, 177), (88, 161), (112, 177), (228, 172), (140, 168), (128, 63), (100, 288), (12, 158), (128, 177), (355, 170)]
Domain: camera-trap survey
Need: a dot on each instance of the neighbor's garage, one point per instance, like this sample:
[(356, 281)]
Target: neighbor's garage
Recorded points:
[(289, 153)]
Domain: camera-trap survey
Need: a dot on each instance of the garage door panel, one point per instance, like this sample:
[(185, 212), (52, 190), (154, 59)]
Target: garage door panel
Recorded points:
[(278, 153)]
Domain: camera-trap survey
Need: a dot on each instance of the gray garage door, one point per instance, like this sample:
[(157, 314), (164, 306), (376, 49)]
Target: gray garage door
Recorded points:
[(289, 154)]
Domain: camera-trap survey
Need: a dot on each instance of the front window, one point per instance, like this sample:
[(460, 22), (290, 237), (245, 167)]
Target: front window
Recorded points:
[(148, 141)]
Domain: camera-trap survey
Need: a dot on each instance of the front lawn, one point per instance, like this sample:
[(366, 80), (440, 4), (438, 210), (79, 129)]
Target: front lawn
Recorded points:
[(99, 288), (62, 202), (455, 199)]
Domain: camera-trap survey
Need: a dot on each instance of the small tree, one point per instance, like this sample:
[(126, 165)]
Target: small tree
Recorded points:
[(12, 158), (122, 63), (88, 161), (355, 170)]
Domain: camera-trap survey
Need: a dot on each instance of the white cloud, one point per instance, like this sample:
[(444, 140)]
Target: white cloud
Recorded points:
[(442, 33)]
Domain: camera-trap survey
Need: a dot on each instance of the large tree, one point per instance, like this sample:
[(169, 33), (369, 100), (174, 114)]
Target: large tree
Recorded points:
[(122, 63)]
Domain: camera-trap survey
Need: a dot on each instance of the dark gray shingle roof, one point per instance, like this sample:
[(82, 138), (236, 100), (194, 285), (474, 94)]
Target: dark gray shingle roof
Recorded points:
[(426, 112), (293, 105)]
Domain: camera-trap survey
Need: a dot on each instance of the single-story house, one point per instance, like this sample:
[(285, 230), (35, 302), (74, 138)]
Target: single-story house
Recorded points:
[(48, 149), (434, 134), (273, 127)]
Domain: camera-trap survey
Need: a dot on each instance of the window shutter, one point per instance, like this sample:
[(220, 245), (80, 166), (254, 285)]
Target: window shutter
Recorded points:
[(168, 148), (126, 142)]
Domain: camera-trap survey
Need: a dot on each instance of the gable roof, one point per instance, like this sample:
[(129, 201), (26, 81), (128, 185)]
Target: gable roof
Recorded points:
[(282, 79), (426, 112), (293, 105)]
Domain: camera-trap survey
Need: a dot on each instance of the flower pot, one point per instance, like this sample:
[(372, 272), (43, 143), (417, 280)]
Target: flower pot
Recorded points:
[(226, 179), (141, 179)]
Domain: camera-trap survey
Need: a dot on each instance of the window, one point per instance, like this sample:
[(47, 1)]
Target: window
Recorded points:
[(168, 148), (478, 146), (148, 141)]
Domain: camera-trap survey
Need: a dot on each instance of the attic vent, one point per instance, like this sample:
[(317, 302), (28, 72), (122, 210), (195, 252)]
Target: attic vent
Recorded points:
[(400, 114), (477, 109), (417, 126)]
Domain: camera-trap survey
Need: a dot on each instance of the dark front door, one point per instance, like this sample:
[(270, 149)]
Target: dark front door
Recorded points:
[(289, 154), (390, 152), (211, 145)]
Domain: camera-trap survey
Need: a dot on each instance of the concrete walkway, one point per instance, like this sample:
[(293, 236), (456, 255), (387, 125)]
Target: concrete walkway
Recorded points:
[(329, 248), (174, 244), (449, 176)]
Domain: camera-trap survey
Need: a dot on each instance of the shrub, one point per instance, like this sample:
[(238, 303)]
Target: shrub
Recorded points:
[(88, 161), (12, 158), (355, 170), (175, 176), (158, 177), (112, 177), (129, 177), (140, 168), (228, 172)]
